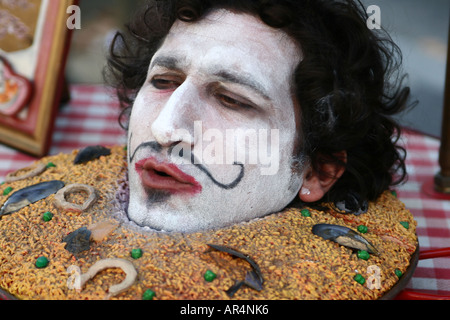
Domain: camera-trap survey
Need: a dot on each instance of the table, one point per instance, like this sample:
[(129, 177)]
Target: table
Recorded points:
[(91, 118)]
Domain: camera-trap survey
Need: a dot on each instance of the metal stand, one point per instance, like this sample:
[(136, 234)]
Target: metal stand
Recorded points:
[(442, 179)]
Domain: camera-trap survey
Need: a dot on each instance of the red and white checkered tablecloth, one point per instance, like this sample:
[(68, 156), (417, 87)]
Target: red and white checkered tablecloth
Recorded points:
[(431, 213), (90, 118)]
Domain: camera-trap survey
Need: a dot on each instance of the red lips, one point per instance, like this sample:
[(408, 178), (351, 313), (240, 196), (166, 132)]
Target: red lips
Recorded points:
[(167, 177)]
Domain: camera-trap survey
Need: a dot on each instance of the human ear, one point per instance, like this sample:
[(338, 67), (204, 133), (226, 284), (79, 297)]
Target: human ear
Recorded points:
[(317, 182)]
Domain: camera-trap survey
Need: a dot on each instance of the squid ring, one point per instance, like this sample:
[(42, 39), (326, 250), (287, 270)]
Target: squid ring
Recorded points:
[(125, 265), (61, 202), (31, 171)]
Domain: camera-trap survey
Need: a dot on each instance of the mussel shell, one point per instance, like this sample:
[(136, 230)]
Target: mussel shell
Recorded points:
[(352, 204), (240, 255), (29, 195), (344, 236), (78, 240), (90, 153), (253, 278)]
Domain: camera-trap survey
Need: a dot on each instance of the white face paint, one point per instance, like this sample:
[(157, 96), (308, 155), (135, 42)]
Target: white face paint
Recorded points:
[(209, 83)]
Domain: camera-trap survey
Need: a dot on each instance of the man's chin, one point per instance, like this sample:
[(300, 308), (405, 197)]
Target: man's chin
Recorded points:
[(165, 218)]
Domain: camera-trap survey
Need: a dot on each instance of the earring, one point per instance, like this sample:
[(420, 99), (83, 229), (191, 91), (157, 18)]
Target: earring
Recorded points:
[(305, 191)]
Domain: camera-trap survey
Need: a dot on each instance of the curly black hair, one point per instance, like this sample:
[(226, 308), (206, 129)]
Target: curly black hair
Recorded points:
[(348, 85)]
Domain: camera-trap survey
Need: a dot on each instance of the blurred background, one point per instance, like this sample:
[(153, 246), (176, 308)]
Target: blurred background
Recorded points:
[(419, 27), (100, 19)]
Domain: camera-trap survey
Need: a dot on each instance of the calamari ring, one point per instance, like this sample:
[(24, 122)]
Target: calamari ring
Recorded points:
[(62, 203), (125, 265), (31, 171)]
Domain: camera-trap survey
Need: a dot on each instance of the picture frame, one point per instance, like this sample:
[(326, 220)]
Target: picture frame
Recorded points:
[(33, 53)]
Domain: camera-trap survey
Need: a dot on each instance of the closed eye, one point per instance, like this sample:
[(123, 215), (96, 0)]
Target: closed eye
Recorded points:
[(231, 102), (164, 84)]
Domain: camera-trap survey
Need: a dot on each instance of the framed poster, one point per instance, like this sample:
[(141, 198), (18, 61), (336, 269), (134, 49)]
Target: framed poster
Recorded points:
[(34, 41)]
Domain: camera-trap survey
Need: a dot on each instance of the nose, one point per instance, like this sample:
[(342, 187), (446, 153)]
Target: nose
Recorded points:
[(175, 121)]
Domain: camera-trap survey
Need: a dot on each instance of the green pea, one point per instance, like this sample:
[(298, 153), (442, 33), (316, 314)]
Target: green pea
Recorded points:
[(47, 216), (305, 213), (209, 275), (362, 254), (359, 278), (7, 191), (42, 262), (148, 294), (136, 253), (362, 229), (405, 224), (398, 273), (51, 165), (394, 193)]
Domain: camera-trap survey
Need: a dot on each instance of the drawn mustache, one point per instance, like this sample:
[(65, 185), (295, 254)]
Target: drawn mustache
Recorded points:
[(153, 145), (158, 148)]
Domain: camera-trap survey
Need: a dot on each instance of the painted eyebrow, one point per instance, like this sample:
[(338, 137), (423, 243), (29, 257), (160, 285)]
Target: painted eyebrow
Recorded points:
[(169, 62), (175, 63), (246, 81)]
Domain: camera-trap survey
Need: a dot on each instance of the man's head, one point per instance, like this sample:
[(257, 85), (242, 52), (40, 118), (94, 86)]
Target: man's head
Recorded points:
[(242, 106), (207, 82)]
